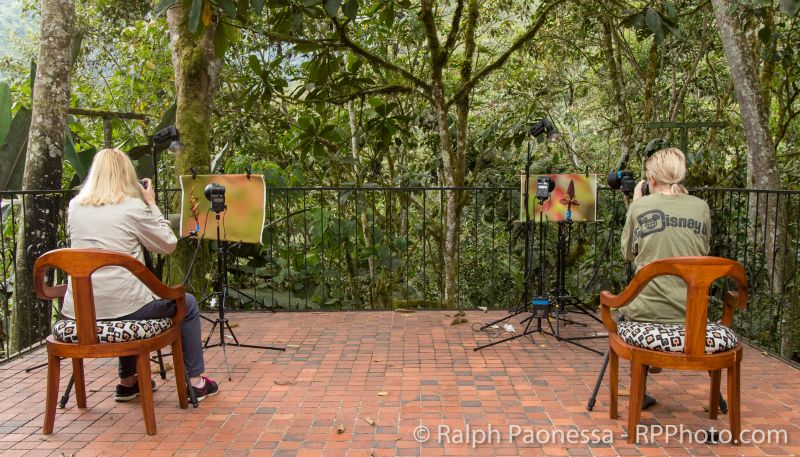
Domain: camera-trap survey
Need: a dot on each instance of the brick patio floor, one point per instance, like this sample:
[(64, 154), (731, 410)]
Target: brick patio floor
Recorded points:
[(401, 371)]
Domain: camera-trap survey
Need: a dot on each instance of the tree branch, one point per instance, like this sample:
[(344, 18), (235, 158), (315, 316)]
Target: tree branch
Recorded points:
[(385, 90), (107, 114), (323, 43), (521, 41), (453, 33), (426, 16), (375, 59)]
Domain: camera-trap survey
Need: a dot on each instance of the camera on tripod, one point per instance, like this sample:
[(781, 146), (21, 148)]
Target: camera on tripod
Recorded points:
[(544, 186), (215, 193), (624, 181)]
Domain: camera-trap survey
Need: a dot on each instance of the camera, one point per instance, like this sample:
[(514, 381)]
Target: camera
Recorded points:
[(544, 185), (624, 181), (143, 183), (215, 193)]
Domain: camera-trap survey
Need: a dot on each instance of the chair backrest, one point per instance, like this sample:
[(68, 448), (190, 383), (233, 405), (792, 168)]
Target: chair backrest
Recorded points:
[(79, 264), (698, 273)]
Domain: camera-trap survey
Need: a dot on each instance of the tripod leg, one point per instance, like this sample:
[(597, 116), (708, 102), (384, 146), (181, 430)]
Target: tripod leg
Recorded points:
[(192, 393), (65, 398), (210, 332), (593, 398), (161, 370), (233, 335), (225, 356)]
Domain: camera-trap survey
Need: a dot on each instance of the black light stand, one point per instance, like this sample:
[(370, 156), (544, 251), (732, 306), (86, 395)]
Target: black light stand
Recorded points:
[(538, 308), (561, 296), (221, 294)]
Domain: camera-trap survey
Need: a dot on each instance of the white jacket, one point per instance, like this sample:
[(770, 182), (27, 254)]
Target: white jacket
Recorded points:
[(125, 228)]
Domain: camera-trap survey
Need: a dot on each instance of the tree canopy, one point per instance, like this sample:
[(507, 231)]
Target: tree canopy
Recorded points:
[(295, 71)]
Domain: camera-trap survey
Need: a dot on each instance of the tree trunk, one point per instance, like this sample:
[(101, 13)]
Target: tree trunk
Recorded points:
[(364, 216), (197, 70), (650, 82), (43, 169), (618, 87), (762, 164)]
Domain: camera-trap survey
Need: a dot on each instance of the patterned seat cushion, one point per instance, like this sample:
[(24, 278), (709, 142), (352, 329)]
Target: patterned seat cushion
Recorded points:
[(113, 331), (671, 337)]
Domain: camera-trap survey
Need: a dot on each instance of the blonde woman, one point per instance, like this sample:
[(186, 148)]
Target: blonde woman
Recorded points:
[(116, 213), (666, 223)]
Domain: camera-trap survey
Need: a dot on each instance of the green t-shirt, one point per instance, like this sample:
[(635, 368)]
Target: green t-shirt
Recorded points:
[(659, 226)]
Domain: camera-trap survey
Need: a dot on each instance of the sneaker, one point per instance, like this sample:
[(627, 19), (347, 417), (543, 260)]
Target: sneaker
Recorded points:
[(125, 393), (209, 389)]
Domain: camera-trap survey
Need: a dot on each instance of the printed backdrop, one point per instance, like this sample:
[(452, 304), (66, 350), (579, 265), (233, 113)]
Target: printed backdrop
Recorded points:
[(243, 218), (584, 204)]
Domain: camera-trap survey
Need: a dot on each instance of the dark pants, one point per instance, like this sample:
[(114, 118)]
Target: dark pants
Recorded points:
[(190, 334)]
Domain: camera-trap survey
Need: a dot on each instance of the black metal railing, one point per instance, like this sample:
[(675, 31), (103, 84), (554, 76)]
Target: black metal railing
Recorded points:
[(329, 248)]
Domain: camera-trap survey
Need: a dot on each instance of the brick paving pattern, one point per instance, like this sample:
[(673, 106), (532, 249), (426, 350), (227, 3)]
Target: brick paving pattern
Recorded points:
[(401, 371)]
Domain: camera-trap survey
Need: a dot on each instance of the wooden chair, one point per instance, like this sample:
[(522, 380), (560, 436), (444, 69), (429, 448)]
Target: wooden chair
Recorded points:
[(79, 264), (698, 273)]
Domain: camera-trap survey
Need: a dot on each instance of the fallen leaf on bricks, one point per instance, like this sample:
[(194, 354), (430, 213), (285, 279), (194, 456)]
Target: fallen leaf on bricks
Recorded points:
[(383, 393), (542, 345), (459, 320), (340, 429), (156, 369), (403, 310), (458, 314), (369, 421), (378, 360), (292, 346), (484, 309), (283, 383)]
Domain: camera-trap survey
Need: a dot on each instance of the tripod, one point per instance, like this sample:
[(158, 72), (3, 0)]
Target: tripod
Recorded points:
[(562, 298), (538, 307), (221, 293)]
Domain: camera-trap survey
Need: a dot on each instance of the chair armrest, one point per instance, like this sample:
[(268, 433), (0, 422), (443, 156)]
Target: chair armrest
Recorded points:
[(81, 263), (732, 301), (605, 315)]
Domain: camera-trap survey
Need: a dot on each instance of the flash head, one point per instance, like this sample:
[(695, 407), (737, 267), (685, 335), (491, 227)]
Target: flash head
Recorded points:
[(215, 193), (544, 186)]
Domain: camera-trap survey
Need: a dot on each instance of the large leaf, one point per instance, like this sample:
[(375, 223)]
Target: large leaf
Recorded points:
[(137, 152), (81, 161), (220, 40), (12, 154), (350, 8), (332, 7), (653, 21), (227, 7), (195, 13), (162, 6), (5, 111), (257, 5), (790, 7), (168, 118), (75, 47)]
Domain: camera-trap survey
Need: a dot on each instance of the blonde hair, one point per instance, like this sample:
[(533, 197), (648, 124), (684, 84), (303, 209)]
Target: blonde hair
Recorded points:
[(668, 167), (111, 180)]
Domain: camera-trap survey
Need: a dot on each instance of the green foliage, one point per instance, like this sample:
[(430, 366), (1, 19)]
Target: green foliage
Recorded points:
[(12, 152)]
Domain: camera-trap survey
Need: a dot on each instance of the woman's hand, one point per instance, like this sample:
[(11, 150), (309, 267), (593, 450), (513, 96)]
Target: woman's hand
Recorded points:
[(148, 194), (637, 191)]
